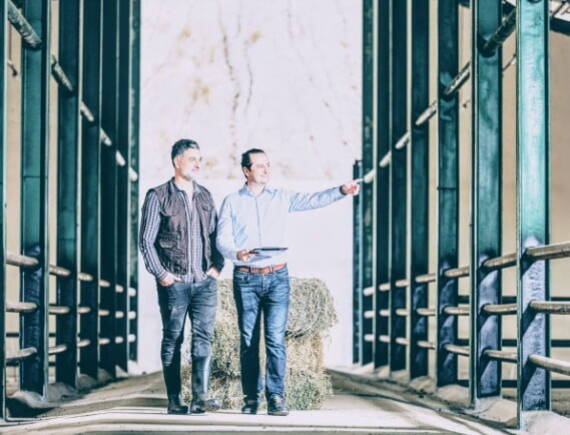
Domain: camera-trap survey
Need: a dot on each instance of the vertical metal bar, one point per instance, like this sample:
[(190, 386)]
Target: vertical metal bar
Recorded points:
[(90, 192), (123, 182), (447, 189), (357, 260), (69, 187), (418, 261), (3, 108), (486, 200), (367, 166), (398, 179), (532, 200), (35, 197), (134, 163), (109, 116), (382, 179)]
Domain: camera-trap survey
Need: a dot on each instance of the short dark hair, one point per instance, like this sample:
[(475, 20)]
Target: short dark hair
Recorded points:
[(246, 157), (182, 145)]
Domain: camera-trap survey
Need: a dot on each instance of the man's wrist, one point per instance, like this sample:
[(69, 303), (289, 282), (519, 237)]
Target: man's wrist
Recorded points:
[(341, 190), (162, 275)]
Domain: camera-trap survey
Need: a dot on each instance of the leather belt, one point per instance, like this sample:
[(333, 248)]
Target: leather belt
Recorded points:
[(261, 270)]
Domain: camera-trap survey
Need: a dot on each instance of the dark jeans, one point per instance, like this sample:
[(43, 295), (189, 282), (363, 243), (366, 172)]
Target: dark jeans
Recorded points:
[(256, 294), (198, 300)]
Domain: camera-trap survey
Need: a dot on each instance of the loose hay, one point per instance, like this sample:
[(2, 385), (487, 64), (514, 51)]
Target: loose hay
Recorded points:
[(311, 314), (311, 308)]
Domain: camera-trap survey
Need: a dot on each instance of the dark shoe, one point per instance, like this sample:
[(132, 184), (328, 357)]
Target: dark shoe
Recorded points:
[(200, 406), (276, 406), (176, 405), (250, 407)]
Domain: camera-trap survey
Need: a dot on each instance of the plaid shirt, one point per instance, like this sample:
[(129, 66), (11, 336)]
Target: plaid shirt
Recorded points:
[(150, 224)]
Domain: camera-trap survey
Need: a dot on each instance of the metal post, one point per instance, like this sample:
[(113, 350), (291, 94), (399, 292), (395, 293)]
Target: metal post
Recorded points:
[(134, 164), (382, 180), (418, 261), (3, 107), (91, 173), (124, 135), (532, 201), (357, 260), (367, 165), (398, 179), (109, 115), (34, 198), (69, 188), (447, 190), (486, 205)]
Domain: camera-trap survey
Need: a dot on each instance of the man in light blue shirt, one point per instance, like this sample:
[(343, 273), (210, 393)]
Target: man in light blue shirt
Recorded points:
[(256, 217)]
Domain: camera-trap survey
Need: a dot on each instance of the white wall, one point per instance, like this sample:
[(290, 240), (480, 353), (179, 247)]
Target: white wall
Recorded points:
[(281, 75)]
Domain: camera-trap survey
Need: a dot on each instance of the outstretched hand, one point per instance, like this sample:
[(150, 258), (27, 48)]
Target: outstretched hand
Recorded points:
[(350, 188)]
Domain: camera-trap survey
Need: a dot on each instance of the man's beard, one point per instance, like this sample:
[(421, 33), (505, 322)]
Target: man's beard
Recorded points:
[(188, 176)]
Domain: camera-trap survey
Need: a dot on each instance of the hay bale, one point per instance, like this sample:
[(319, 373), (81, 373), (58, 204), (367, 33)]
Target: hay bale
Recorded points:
[(225, 344), (307, 389), (311, 308), (311, 314)]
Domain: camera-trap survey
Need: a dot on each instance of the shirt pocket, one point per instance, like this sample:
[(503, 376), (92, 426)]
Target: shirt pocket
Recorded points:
[(168, 241)]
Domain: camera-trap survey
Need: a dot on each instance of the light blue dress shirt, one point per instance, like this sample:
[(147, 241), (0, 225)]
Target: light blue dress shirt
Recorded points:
[(248, 222)]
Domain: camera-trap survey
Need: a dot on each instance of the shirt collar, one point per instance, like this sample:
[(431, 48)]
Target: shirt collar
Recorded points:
[(195, 186), (245, 191)]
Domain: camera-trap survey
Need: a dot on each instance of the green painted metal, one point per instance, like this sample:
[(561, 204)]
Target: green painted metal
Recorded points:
[(486, 200), (488, 43), (134, 163), (357, 261), (382, 179), (532, 200), (398, 180), (69, 188), (30, 36), (124, 137), (418, 261), (35, 197), (3, 156), (90, 187), (367, 166), (447, 190), (109, 121)]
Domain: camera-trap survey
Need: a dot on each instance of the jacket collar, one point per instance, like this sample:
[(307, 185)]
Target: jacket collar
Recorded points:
[(174, 188)]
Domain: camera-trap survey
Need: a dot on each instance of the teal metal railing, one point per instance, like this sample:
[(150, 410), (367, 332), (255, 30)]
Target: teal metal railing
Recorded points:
[(392, 321), (97, 72)]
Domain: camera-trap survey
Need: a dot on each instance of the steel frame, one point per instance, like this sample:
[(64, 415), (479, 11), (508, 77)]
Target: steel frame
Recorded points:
[(485, 303)]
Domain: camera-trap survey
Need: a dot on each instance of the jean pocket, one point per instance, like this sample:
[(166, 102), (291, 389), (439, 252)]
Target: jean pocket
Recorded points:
[(212, 283), (242, 277), (282, 273)]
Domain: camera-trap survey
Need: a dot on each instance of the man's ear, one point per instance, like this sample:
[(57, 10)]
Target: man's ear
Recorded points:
[(245, 171), (175, 162)]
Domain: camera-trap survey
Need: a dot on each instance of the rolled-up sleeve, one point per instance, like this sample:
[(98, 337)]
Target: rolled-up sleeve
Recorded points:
[(310, 201), (150, 223), (225, 237)]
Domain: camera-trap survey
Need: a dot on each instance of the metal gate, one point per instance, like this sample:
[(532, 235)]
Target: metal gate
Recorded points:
[(391, 237), (77, 295)]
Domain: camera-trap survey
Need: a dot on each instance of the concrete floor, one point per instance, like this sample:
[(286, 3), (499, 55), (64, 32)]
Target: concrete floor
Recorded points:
[(137, 405)]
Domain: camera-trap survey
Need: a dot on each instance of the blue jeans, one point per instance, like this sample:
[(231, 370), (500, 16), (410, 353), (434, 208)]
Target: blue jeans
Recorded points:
[(256, 294), (198, 301)]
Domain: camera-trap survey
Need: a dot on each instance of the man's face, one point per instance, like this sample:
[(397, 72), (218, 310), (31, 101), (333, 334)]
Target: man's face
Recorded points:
[(260, 170), (187, 164)]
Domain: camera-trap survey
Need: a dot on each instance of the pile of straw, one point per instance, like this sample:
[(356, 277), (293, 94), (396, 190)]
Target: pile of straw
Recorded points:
[(311, 315)]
